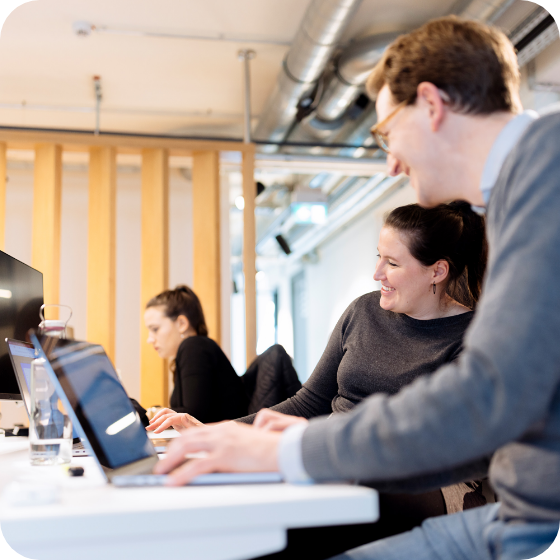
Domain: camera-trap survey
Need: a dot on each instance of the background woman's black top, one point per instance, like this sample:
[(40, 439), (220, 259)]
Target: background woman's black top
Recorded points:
[(206, 385)]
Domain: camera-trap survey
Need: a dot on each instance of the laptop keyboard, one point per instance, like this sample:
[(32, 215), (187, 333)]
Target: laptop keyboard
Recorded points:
[(139, 480)]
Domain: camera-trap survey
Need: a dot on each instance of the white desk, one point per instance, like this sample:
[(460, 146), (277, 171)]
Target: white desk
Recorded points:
[(93, 520)]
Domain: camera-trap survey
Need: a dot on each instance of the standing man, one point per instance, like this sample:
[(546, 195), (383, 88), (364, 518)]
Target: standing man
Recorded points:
[(450, 118)]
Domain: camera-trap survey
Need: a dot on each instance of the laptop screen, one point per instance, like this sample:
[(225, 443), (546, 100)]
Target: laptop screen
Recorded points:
[(100, 403), (22, 354)]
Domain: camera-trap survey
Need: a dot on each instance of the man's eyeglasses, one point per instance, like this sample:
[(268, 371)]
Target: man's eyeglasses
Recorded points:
[(381, 138)]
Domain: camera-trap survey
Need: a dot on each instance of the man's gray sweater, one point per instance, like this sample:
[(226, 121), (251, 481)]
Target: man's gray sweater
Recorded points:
[(503, 394)]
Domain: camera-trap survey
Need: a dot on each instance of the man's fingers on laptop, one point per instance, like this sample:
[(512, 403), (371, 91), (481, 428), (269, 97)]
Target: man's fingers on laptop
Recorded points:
[(190, 442), (230, 448), (185, 473)]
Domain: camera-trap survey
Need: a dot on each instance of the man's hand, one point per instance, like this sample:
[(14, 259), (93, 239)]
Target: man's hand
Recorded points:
[(167, 418), (275, 421), (230, 447)]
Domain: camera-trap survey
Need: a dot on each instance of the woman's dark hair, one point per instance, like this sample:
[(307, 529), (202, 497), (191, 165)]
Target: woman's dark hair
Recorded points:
[(182, 301), (450, 232)]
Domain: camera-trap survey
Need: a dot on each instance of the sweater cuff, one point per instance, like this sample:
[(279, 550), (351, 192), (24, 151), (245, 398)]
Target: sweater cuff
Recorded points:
[(289, 455), (315, 454)]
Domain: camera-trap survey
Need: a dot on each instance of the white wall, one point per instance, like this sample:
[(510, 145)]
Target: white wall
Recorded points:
[(344, 272), (19, 219), (73, 258), (128, 313)]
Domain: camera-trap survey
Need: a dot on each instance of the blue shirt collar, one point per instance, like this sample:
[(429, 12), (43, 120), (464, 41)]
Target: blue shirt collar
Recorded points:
[(505, 142)]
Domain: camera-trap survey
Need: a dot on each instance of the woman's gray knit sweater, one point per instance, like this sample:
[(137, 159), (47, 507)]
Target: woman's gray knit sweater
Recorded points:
[(376, 351)]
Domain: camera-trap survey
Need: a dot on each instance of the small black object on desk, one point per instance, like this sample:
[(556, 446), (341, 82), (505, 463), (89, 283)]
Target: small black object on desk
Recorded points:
[(17, 431)]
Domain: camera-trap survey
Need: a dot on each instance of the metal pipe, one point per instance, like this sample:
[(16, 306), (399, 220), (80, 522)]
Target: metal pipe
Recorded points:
[(486, 10), (358, 60), (98, 99), (80, 131), (246, 55), (318, 35), (352, 68)]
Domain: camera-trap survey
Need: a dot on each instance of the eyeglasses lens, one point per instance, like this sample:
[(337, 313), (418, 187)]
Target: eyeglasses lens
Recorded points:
[(382, 141)]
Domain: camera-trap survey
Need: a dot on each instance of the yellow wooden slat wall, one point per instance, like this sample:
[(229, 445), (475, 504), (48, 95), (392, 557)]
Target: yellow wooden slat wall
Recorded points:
[(47, 191), (206, 229), (101, 276), (154, 386), (249, 254)]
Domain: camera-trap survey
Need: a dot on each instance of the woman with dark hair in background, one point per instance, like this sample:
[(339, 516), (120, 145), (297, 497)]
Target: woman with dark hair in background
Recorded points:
[(206, 385), (431, 265)]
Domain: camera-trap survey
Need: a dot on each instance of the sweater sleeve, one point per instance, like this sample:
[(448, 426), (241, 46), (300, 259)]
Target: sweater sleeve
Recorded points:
[(472, 407), (316, 396), (195, 364)]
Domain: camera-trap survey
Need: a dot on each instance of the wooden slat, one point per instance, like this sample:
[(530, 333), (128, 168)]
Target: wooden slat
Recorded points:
[(206, 229), (154, 268), (47, 190), (249, 254), (79, 141), (102, 248), (3, 178)]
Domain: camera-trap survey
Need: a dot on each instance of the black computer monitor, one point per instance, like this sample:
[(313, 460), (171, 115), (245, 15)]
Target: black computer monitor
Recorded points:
[(21, 297)]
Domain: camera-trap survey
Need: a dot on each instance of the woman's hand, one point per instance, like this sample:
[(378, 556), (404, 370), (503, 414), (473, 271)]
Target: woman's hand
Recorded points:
[(273, 421), (230, 447), (167, 418)]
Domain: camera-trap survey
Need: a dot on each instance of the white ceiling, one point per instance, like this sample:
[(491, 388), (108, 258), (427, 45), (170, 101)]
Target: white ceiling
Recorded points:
[(160, 85)]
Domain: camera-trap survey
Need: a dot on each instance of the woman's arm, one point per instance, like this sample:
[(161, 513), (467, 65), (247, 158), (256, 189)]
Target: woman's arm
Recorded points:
[(316, 396), (195, 364)]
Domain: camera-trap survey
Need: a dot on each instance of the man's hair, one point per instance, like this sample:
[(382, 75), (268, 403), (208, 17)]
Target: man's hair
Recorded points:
[(473, 63)]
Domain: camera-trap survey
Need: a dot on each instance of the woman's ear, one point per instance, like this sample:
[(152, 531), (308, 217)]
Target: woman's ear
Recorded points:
[(182, 324), (441, 271)]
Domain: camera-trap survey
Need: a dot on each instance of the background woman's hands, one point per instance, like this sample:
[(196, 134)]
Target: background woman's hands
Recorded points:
[(273, 421), (167, 418)]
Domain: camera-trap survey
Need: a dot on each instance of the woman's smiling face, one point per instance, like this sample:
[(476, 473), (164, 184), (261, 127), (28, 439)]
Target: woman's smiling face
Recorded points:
[(406, 284)]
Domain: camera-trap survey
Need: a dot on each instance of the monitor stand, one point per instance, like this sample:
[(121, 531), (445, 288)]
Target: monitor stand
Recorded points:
[(12, 413)]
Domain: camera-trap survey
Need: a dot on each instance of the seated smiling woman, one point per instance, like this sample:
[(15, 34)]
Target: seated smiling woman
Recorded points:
[(430, 266), (206, 385)]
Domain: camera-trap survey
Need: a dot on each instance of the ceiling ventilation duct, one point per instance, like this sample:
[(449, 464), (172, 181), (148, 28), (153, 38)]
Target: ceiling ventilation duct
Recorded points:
[(352, 69), (355, 63), (324, 112), (482, 10), (318, 35)]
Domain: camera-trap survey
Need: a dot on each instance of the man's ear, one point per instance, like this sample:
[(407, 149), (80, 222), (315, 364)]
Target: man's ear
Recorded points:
[(441, 271), (429, 98)]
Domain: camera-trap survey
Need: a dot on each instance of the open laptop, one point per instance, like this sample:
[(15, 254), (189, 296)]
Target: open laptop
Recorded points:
[(22, 354), (89, 388)]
